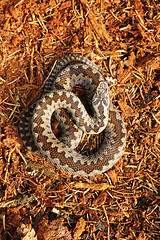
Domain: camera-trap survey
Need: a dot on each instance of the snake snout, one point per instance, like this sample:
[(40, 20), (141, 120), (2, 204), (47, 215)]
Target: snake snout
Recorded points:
[(102, 90), (101, 96)]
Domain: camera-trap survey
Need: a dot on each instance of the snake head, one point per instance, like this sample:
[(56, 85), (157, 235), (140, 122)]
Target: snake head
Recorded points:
[(101, 95)]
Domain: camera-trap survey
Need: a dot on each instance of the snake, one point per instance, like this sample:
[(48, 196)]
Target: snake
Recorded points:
[(35, 123)]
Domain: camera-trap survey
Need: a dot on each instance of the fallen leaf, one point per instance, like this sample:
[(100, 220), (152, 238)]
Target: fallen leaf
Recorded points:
[(79, 228), (100, 200), (57, 230), (125, 108), (98, 27), (65, 5), (112, 175)]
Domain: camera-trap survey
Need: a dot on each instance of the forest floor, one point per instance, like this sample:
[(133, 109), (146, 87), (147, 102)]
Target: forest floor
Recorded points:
[(38, 201)]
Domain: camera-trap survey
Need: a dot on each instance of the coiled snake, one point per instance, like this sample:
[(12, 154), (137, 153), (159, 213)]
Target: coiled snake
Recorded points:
[(35, 123)]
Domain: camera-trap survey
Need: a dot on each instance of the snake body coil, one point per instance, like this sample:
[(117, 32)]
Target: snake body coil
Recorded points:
[(35, 124)]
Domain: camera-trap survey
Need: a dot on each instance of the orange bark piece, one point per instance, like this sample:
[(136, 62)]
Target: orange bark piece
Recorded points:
[(56, 230), (98, 27), (65, 5), (79, 228), (112, 175), (125, 107), (100, 200), (98, 186)]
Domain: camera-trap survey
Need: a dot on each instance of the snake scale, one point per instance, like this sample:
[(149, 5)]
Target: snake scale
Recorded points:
[(35, 123)]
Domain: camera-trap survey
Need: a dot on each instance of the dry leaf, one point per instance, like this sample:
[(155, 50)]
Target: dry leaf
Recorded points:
[(56, 230), (27, 231), (79, 228), (154, 63), (100, 200), (112, 175), (65, 5), (125, 108), (98, 27)]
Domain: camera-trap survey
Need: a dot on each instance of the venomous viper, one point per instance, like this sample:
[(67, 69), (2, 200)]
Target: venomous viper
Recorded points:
[(35, 123)]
